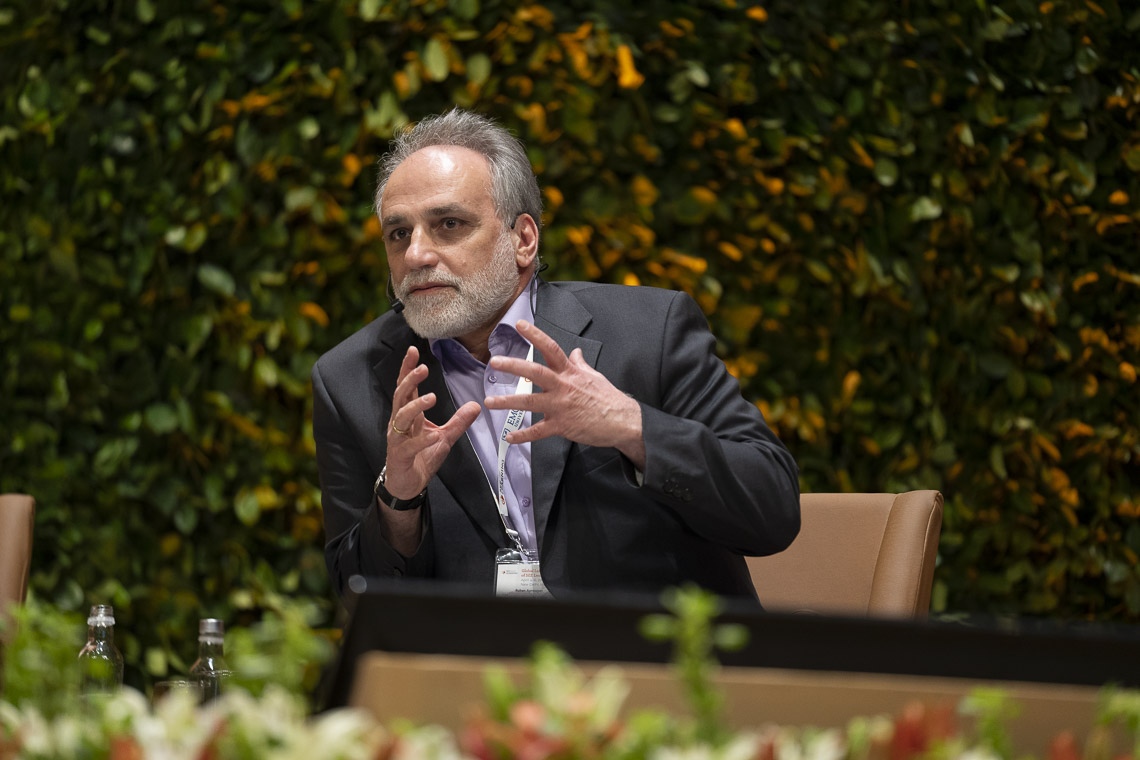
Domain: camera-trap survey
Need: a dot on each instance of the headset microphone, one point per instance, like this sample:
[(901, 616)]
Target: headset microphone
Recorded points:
[(397, 304)]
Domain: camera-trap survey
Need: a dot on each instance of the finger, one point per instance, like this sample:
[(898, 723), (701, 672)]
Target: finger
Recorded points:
[(540, 374), (407, 389), (553, 354), (409, 418), (411, 360), (537, 431), (526, 402), (462, 419)]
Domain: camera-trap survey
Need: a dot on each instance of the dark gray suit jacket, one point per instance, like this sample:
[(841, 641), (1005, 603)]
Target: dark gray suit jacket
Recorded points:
[(717, 483)]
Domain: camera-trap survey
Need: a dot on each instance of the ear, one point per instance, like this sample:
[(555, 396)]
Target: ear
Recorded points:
[(525, 235)]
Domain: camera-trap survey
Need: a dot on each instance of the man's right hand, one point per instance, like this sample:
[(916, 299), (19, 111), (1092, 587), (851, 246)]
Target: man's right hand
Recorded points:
[(417, 446)]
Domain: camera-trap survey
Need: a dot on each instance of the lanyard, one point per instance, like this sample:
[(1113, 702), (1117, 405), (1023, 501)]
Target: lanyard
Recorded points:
[(513, 423)]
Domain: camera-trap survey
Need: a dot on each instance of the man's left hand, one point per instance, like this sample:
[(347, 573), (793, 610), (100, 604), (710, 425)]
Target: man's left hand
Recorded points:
[(576, 401)]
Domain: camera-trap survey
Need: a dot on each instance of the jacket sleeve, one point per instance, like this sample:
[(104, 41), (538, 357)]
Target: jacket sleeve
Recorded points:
[(710, 456), (346, 432)]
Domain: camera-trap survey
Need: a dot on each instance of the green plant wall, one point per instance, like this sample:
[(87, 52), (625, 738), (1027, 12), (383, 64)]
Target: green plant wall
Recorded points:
[(913, 227)]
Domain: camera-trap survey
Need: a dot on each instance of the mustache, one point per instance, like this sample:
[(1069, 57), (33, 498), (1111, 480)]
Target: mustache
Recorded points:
[(425, 277)]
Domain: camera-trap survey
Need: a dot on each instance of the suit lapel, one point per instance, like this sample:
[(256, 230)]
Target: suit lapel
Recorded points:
[(561, 316), (461, 472)]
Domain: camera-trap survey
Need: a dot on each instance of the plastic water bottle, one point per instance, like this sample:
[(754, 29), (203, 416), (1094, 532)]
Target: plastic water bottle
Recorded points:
[(100, 662), (209, 670)]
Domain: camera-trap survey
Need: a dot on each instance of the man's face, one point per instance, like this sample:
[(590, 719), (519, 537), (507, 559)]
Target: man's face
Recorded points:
[(452, 260)]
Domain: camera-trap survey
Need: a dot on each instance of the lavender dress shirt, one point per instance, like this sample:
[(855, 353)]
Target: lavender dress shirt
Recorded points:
[(469, 379)]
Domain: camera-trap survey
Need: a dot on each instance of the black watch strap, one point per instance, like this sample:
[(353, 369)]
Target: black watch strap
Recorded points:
[(390, 501)]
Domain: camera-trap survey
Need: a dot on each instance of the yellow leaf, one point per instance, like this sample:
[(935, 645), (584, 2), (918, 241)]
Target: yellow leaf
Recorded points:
[(372, 229), (861, 154), (756, 13), (703, 195), (1070, 515), (644, 235), (730, 250), (1091, 386), (629, 77), (554, 197), (631, 279), (267, 498), (1047, 446), (1127, 372), (352, 164), (314, 312), (402, 83), (644, 191), (1085, 279), (692, 263), (1118, 198), (743, 318), (1077, 429), (1120, 274), (736, 128), (850, 385), (580, 236)]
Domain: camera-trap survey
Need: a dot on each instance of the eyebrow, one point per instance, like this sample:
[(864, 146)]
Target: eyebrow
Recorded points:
[(448, 209)]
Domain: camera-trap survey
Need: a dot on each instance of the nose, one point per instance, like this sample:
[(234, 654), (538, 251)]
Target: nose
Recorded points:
[(420, 252)]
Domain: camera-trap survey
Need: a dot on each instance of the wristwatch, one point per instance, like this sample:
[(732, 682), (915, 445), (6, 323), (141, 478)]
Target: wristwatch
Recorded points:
[(400, 505)]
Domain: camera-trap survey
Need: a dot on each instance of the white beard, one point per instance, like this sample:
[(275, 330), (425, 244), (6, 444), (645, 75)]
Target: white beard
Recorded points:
[(473, 303)]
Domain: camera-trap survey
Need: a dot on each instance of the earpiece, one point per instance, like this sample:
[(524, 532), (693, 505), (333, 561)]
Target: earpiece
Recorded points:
[(397, 304)]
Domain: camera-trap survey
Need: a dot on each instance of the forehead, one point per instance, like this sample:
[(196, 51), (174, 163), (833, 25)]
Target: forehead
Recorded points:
[(437, 176)]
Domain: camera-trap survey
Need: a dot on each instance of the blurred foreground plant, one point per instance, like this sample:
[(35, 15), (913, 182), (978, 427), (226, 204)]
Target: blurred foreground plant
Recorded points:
[(559, 714)]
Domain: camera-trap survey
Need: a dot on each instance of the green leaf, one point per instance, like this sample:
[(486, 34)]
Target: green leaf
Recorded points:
[(995, 365), (925, 209), (467, 10), (997, 462), (435, 60), (161, 418), (886, 171), (308, 128), (247, 508), (216, 279), (144, 9), (369, 9), (478, 68)]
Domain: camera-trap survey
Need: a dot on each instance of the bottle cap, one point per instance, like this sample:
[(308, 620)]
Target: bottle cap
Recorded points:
[(101, 614), (211, 628)]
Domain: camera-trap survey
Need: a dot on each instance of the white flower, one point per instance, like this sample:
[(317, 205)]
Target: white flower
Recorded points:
[(346, 734), (427, 743), (742, 747)]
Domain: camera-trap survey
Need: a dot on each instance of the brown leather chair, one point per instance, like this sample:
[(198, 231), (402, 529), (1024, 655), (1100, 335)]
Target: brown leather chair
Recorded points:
[(862, 554), (17, 513)]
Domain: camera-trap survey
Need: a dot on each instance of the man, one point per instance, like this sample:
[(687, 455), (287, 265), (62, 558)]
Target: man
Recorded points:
[(525, 436)]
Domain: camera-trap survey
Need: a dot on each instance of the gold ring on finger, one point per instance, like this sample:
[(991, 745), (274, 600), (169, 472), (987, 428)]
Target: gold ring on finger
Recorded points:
[(397, 430)]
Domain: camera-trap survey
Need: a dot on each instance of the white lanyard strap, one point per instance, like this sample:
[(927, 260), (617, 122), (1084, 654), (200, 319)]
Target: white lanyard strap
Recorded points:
[(513, 423)]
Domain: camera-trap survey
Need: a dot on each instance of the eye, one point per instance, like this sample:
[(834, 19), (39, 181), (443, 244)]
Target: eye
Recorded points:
[(451, 223), (397, 235)]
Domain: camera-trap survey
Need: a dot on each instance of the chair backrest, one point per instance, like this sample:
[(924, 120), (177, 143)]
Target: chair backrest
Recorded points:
[(17, 515), (863, 554)]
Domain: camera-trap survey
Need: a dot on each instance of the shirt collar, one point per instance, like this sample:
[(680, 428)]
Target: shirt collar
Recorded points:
[(504, 338)]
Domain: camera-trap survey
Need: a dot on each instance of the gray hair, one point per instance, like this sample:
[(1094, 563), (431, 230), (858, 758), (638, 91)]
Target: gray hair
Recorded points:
[(514, 189)]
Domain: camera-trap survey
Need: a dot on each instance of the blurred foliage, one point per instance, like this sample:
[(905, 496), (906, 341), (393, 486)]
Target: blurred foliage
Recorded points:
[(39, 644), (913, 228)]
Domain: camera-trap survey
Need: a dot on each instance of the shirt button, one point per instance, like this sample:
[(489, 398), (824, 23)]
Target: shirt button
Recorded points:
[(493, 379), (526, 503)]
